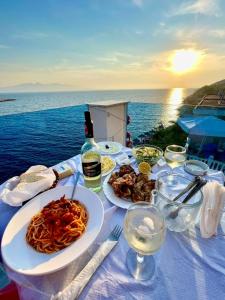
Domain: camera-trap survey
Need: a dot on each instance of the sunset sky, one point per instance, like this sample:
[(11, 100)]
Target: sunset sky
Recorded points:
[(112, 44)]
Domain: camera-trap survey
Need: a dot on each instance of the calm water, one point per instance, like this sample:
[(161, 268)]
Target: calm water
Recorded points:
[(46, 128)]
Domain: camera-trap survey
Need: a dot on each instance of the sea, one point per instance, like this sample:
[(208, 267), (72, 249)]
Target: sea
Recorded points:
[(48, 127)]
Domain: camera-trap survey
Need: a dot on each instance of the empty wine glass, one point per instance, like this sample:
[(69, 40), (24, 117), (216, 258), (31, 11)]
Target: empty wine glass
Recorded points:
[(175, 155), (144, 230)]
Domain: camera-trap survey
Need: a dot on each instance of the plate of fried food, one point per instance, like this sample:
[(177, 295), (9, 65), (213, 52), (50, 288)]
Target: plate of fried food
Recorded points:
[(52, 230), (125, 186)]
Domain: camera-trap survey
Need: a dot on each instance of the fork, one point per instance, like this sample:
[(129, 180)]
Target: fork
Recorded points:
[(74, 289), (115, 233), (75, 184)]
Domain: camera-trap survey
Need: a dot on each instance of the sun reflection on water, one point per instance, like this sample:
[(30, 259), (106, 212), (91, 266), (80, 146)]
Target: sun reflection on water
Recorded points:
[(176, 96), (173, 102)]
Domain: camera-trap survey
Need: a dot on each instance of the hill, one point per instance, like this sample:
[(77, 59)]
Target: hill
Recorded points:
[(214, 88)]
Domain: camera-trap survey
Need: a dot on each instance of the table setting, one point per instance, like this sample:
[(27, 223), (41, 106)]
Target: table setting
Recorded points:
[(130, 248)]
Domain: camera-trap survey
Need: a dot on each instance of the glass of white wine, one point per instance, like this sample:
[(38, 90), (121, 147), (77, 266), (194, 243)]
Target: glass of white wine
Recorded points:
[(175, 155), (144, 230)]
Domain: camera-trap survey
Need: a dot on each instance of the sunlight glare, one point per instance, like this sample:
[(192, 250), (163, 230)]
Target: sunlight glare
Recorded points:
[(184, 60), (175, 96), (174, 101)]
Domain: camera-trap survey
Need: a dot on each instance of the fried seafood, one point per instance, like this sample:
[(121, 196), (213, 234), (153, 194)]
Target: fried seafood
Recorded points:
[(127, 184), (113, 177), (126, 169)]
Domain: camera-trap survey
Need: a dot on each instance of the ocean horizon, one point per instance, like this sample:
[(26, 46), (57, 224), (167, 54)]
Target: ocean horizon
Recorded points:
[(47, 127)]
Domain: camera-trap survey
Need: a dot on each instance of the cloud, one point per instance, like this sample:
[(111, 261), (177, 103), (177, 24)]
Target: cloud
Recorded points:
[(191, 36), (117, 58), (138, 3), (162, 24), (4, 46), (219, 33), (153, 74), (203, 7), (139, 32), (31, 35)]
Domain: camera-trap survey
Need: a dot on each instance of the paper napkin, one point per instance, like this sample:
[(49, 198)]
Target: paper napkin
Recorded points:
[(24, 187), (212, 208)]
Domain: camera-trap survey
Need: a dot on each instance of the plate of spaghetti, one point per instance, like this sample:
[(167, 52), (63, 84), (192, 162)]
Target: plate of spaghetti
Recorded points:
[(52, 230)]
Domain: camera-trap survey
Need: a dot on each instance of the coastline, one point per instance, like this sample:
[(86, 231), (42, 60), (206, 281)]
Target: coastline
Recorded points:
[(50, 135), (7, 100)]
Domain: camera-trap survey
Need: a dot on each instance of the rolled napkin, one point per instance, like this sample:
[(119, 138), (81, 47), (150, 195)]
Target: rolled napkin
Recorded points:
[(212, 208), (24, 187), (74, 289)]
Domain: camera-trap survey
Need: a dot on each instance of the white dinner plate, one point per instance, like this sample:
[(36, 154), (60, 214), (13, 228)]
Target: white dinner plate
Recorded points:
[(104, 173), (111, 196), (113, 147), (28, 261)]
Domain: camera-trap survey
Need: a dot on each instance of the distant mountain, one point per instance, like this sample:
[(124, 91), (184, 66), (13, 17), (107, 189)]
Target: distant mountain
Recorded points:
[(36, 87), (212, 89)]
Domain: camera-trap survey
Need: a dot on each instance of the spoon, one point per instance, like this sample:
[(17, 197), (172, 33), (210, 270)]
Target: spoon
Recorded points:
[(75, 184), (192, 192)]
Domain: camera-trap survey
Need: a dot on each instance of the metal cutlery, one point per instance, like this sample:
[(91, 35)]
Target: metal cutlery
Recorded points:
[(192, 192), (75, 184), (189, 187), (195, 189)]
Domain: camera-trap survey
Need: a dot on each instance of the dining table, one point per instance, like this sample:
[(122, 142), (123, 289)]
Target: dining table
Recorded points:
[(188, 267)]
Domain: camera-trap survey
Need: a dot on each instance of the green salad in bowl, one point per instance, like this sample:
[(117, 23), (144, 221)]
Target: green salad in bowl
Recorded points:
[(148, 153)]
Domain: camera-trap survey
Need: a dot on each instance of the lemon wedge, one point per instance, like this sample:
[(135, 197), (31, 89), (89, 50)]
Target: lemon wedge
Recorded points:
[(144, 168)]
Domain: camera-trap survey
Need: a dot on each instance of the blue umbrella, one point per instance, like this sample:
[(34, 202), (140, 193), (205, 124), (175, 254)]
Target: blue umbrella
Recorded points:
[(203, 126)]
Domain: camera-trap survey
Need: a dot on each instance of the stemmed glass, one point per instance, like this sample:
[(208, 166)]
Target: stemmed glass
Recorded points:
[(175, 155), (144, 230)]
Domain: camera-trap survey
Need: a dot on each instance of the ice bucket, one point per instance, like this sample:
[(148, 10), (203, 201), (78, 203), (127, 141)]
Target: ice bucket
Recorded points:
[(178, 216)]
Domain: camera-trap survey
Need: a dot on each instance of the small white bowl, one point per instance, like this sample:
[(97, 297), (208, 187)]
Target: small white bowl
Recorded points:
[(196, 167), (123, 159)]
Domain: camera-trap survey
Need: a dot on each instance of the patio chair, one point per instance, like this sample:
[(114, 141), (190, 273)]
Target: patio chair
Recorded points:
[(216, 165), (209, 149)]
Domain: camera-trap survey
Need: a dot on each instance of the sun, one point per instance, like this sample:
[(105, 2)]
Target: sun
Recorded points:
[(184, 60)]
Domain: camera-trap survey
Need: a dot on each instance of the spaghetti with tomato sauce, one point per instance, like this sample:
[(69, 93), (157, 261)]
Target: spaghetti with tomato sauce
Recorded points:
[(57, 225)]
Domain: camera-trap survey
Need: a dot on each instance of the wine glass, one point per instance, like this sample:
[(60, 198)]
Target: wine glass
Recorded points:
[(144, 230), (175, 155)]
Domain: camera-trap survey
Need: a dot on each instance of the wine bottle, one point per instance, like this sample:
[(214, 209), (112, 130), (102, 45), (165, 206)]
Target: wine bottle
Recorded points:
[(90, 157)]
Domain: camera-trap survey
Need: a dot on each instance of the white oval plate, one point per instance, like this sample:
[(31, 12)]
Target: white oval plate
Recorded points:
[(110, 195), (114, 147), (30, 262), (103, 174)]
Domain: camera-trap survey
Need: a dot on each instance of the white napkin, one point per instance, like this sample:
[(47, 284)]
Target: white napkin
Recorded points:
[(24, 187), (212, 207), (74, 289), (98, 252)]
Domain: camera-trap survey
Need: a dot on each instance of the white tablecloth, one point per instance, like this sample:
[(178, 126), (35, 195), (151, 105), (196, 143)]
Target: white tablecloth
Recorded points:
[(188, 267)]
